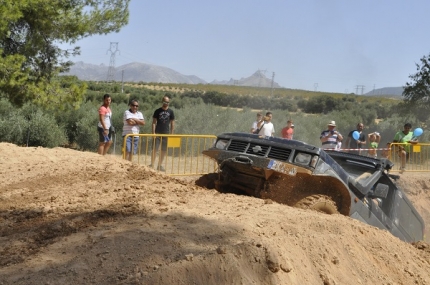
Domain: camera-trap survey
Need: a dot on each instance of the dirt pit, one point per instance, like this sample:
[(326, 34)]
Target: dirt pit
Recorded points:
[(70, 217)]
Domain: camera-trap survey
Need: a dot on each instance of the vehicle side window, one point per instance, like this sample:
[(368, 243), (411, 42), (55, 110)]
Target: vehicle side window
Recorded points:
[(408, 220), (386, 204)]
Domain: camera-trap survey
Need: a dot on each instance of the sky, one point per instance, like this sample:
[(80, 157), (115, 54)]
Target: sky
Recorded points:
[(342, 46)]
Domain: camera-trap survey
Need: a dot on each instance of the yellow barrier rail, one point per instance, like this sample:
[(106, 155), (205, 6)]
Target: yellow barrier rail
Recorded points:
[(183, 154), (417, 160)]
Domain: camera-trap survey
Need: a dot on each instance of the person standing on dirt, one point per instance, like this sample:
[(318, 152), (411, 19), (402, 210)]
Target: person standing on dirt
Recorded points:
[(353, 145), (405, 138), (288, 131), (265, 126), (104, 125), (163, 122), (330, 137), (132, 120), (254, 127)]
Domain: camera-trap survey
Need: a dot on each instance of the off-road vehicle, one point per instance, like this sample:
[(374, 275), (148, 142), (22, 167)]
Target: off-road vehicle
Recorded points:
[(301, 175)]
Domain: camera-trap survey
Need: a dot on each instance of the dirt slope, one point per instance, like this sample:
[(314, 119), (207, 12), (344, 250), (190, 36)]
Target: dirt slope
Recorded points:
[(69, 217)]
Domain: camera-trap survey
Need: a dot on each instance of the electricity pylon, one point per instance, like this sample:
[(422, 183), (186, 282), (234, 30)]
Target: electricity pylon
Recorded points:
[(111, 72)]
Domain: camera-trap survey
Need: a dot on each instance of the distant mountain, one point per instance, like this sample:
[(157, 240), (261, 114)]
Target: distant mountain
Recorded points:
[(386, 91), (132, 72), (136, 72), (258, 79)]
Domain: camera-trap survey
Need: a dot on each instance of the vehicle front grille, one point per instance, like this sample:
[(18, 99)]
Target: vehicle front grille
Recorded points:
[(259, 149), (238, 146), (279, 153)]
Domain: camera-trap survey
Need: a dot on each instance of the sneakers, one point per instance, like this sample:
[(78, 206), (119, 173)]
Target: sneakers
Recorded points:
[(402, 169)]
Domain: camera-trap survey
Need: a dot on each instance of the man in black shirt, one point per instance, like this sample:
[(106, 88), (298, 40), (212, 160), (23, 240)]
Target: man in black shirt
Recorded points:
[(355, 145), (163, 122)]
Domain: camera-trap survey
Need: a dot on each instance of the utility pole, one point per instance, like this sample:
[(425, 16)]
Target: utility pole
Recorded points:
[(271, 87), (122, 81), (261, 74), (111, 72)]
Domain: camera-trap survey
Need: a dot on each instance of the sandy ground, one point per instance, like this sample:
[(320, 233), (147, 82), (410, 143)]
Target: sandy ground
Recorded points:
[(69, 217)]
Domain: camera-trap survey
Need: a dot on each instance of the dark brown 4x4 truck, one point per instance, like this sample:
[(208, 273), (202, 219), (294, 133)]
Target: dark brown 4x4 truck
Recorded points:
[(305, 176)]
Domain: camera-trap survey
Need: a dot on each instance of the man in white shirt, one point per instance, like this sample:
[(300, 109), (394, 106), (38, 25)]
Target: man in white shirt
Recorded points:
[(132, 120), (330, 138), (266, 127)]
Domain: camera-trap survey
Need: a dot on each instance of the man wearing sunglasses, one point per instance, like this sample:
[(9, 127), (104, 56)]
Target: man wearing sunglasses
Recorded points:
[(163, 122), (132, 119)]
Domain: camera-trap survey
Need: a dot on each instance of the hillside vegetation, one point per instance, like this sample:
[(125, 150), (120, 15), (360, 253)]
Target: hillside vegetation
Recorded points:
[(203, 109)]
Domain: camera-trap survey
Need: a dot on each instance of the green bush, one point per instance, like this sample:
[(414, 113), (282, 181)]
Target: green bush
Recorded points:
[(30, 126), (87, 135)]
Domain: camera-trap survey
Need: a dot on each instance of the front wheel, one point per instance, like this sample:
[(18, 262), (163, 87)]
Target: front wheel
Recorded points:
[(207, 180), (320, 203)]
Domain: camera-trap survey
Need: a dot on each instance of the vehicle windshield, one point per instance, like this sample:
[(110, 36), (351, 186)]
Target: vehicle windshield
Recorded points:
[(360, 172)]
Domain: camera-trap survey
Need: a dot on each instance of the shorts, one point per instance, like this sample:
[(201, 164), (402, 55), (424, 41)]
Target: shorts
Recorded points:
[(102, 136), (163, 141), (400, 153), (128, 145)]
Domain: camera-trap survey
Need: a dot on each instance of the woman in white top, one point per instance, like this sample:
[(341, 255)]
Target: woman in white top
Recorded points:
[(104, 124)]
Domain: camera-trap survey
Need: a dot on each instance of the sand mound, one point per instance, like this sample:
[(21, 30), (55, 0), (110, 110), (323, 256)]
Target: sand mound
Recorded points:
[(69, 217)]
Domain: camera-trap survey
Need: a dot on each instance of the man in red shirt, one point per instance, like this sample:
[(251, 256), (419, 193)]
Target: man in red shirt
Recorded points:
[(288, 131)]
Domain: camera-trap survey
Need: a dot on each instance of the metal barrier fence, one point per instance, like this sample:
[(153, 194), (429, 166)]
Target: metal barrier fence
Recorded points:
[(418, 158), (183, 153)]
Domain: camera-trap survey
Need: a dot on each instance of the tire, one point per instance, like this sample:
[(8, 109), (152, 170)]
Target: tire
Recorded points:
[(207, 180), (320, 203)]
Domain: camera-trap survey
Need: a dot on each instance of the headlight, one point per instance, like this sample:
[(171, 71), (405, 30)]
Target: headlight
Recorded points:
[(303, 158), (221, 144)]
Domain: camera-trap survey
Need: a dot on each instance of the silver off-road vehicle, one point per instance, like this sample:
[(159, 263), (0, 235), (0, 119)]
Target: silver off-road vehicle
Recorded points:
[(301, 175)]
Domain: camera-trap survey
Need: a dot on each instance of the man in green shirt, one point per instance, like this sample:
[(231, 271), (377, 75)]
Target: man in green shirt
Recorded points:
[(406, 138)]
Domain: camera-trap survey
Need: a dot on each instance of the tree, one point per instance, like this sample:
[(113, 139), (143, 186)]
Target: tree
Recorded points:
[(30, 32), (417, 92)]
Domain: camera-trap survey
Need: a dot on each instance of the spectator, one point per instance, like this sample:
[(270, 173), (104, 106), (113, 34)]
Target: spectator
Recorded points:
[(374, 139), (330, 137), (405, 138), (132, 120), (163, 122), (254, 127), (288, 131), (353, 145), (386, 153), (265, 126), (104, 125)]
